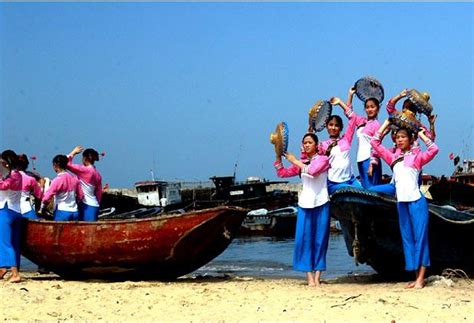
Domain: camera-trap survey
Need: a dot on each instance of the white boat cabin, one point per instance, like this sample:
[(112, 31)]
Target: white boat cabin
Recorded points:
[(158, 193)]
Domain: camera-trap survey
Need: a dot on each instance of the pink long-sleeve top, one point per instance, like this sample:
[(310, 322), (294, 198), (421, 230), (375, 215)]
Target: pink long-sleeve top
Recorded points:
[(91, 182), (338, 151), (392, 109), (10, 191), (313, 177), (29, 186), (366, 129), (66, 190), (406, 167)]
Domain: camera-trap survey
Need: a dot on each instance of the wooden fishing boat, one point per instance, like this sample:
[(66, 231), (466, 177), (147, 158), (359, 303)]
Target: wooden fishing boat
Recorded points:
[(155, 247), (371, 232)]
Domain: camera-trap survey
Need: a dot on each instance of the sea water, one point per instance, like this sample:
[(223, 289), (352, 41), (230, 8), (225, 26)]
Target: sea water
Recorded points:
[(268, 257), (272, 257)]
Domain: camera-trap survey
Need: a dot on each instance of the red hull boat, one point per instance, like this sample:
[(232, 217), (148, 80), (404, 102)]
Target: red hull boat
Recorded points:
[(160, 247)]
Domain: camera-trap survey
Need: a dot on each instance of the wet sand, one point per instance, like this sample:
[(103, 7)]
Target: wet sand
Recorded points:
[(355, 298)]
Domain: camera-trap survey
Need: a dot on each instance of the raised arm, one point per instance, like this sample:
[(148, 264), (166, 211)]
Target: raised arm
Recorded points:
[(350, 96), (337, 101), (432, 132), (376, 143), (393, 101), (430, 153)]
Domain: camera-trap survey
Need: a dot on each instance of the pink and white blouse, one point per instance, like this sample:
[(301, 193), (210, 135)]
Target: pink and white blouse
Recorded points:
[(313, 177), (338, 151), (366, 129), (29, 186), (66, 190), (10, 191), (91, 182), (406, 167)]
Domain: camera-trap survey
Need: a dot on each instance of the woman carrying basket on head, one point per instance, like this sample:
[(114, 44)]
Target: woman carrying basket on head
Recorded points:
[(412, 207), (370, 169), (337, 148)]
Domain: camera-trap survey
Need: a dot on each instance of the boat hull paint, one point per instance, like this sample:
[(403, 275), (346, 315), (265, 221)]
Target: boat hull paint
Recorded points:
[(161, 247), (374, 219)]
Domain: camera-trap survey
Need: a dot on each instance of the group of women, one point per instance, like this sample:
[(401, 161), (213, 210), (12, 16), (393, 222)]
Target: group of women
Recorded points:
[(76, 190), (325, 167)]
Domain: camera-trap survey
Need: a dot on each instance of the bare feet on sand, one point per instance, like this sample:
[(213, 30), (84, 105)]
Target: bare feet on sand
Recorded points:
[(410, 285), (14, 279), (3, 271)]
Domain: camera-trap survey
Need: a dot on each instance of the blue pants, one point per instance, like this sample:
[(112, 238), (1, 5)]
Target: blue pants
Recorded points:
[(30, 215), (88, 213), (388, 189), (413, 218), (333, 186), (311, 238), (10, 230), (66, 215), (366, 180)]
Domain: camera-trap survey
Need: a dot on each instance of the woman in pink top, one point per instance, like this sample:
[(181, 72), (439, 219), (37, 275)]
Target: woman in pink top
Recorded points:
[(29, 187), (66, 190), (337, 148), (312, 224), (370, 169), (91, 182), (10, 217), (412, 207)]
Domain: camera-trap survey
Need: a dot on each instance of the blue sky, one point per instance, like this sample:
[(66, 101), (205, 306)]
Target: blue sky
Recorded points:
[(190, 89)]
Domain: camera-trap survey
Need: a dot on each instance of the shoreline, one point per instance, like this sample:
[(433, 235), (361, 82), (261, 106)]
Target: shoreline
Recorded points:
[(229, 298)]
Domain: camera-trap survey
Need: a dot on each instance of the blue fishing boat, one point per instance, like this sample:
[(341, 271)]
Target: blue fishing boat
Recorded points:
[(371, 232)]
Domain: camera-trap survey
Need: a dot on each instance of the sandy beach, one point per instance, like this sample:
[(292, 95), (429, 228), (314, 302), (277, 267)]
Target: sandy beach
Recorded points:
[(354, 298)]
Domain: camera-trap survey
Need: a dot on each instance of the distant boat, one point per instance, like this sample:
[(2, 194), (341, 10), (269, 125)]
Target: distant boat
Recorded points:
[(279, 223), (276, 223), (371, 231), (144, 245), (456, 190), (251, 194)]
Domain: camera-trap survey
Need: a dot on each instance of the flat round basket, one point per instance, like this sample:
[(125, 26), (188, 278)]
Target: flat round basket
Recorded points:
[(420, 100), (369, 88), (279, 138), (319, 115), (405, 120)]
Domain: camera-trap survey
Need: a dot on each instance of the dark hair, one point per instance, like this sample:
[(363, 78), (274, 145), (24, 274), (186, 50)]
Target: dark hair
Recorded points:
[(61, 161), (338, 120), (407, 104), (91, 155), (11, 158), (376, 102), (23, 162), (410, 133), (312, 135)]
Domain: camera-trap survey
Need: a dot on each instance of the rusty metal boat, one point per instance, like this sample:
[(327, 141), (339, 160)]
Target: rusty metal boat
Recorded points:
[(159, 246)]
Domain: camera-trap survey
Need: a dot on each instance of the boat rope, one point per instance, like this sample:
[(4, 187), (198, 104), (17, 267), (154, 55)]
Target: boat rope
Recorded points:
[(355, 242), (455, 273)]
